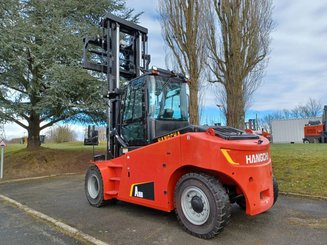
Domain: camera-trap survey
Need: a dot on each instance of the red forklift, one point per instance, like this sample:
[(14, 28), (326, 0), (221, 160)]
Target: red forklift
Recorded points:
[(316, 131), (155, 157)]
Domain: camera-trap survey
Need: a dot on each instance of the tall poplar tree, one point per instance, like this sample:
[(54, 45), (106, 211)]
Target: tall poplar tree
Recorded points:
[(183, 23), (238, 33)]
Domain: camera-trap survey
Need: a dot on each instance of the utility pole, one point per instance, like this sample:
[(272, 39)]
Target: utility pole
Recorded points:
[(2, 132), (2, 146)]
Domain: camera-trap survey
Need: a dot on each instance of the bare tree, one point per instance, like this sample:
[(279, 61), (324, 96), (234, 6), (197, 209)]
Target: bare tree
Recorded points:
[(239, 38), (313, 108), (61, 134), (266, 121), (182, 23)]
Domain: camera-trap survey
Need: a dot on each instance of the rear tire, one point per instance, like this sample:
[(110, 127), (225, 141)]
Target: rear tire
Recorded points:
[(94, 187), (275, 188), (202, 205)]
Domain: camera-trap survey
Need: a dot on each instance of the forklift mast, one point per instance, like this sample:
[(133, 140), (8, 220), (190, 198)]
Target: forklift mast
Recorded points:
[(120, 53)]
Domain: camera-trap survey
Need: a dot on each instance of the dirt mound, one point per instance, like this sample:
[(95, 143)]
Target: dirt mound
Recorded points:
[(45, 161)]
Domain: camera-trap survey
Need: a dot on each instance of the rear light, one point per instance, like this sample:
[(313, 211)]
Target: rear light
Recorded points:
[(154, 70), (228, 157)]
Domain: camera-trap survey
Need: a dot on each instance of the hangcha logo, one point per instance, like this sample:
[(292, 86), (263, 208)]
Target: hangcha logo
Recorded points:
[(256, 158), (138, 193)]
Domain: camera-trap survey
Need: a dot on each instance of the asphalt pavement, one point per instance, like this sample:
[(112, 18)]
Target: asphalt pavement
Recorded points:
[(16, 227), (293, 220)]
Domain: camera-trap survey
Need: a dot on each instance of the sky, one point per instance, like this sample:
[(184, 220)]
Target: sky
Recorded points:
[(297, 68)]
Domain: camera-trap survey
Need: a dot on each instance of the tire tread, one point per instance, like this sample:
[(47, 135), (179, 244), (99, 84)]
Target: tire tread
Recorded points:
[(99, 201), (220, 196)]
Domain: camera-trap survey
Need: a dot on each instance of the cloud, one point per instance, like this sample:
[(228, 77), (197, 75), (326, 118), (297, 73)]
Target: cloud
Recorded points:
[(297, 68), (14, 131), (150, 20), (298, 59)]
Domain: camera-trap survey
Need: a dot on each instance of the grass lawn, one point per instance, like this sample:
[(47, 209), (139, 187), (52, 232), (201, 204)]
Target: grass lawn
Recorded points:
[(301, 168), (12, 148), (77, 146), (50, 159)]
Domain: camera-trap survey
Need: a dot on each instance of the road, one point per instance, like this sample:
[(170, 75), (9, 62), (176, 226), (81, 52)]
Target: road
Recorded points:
[(292, 220), (16, 227)]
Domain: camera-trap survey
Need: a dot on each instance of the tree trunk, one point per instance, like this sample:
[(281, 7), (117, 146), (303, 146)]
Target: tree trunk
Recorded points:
[(194, 107), (33, 140), (235, 115)]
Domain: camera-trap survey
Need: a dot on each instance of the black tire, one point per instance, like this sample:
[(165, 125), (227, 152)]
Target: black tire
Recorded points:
[(242, 204), (306, 141), (94, 187), (275, 188), (194, 194)]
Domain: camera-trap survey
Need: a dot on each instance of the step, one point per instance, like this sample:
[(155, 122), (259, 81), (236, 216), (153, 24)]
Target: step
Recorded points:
[(112, 193)]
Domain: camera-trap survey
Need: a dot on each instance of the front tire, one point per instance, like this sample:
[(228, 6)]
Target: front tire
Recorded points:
[(94, 187), (202, 205)]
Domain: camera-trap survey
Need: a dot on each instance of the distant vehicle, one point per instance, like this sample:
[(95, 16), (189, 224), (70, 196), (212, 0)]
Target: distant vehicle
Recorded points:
[(91, 136), (251, 127), (316, 131)]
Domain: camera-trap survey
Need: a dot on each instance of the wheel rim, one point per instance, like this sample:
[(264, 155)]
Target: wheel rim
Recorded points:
[(195, 205), (93, 186)]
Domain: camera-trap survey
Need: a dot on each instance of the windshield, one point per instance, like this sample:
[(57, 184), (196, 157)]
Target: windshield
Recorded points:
[(168, 99)]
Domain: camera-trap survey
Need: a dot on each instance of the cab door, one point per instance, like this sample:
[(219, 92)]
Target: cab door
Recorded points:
[(134, 115)]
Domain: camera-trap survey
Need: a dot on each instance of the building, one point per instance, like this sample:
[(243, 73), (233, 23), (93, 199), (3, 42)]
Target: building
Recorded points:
[(290, 130)]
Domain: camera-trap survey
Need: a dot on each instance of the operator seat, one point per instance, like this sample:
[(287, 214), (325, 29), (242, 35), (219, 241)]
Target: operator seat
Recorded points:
[(167, 114)]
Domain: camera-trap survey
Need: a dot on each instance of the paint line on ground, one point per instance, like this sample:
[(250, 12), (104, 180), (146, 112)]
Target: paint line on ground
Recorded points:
[(69, 230), (36, 178)]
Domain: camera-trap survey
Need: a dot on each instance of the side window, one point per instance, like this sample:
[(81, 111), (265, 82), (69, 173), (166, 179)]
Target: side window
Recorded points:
[(168, 99), (138, 106), (128, 105), (172, 105), (133, 129), (133, 104)]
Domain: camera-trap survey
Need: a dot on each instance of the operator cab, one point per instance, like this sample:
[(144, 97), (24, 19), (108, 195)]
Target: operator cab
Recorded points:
[(154, 105)]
